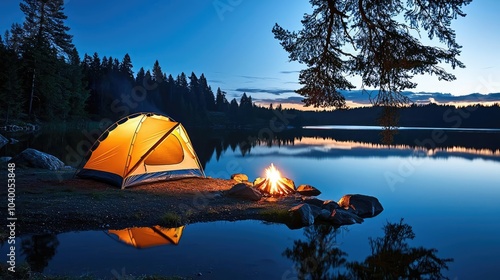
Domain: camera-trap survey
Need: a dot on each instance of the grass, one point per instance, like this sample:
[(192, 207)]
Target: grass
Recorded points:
[(276, 215), (170, 218)]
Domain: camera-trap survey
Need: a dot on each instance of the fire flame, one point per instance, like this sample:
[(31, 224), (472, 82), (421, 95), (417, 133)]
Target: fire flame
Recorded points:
[(274, 176), (274, 184)]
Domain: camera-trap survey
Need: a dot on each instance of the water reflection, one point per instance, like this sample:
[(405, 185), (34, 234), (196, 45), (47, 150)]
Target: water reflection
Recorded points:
[(318, 256), (326, 143), (146, 237), (39, 250)]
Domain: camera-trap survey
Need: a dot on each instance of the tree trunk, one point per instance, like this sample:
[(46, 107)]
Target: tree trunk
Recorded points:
[(32, 92)]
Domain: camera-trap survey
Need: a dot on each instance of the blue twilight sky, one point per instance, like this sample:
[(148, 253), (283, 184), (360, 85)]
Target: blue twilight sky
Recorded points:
[(231, 42)]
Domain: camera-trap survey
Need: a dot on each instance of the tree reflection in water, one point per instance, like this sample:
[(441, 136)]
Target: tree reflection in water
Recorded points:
[(318, 257), (39, 250)]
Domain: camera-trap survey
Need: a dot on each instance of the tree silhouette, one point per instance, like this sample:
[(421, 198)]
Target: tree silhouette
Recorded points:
[(318, 256), (393, 258), (376, 40), (38, 250)]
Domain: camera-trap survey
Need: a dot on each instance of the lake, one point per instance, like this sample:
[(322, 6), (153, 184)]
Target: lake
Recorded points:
[(444, 183)]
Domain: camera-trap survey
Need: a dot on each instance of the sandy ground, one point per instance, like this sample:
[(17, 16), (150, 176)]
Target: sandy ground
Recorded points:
[(56, 201)]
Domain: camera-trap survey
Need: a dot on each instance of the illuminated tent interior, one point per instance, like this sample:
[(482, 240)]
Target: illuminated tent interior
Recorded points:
[(140, 148), (145, 237)]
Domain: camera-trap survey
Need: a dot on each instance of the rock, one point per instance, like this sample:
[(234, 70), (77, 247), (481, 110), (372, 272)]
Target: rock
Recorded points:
[(341, 217), (362, 205), (330, 205), (34, 158), (5, 159), (243, 191), (324, 215), (315, 210), (3, 141), (239, 177), (26, 127), (301, 216), (313, 201), (308, 190)]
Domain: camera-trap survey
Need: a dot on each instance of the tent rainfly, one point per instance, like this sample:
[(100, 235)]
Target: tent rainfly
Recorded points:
[(141, 148), (145, 237)]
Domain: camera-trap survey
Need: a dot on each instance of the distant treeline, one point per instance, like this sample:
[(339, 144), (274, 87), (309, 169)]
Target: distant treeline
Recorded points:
[(429, 115), (115, 92)]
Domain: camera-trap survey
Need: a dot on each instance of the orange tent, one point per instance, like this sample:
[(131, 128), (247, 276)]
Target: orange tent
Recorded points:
[(140, 148), (144, 237)]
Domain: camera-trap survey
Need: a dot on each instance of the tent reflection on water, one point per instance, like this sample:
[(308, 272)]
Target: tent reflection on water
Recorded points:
[(145, 237)]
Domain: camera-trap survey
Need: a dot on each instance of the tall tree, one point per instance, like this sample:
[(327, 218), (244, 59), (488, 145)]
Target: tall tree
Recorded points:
[(12, 99), (376, 40), (76, 87), (207, 95), (45, 41), (220, 101), (126, 68), (157, 72)]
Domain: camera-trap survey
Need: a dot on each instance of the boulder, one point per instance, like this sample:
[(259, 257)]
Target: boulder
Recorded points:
[(313, 201), (330, 205), (340, 217), (243, 191), (301, 216), (362, 205), (36, 159), (308, 190), (5, 159), (324, 215), (3, 141), (239, 177), (315, 210)]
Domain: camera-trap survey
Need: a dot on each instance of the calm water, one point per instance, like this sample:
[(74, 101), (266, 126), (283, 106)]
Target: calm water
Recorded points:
[(447, 189)]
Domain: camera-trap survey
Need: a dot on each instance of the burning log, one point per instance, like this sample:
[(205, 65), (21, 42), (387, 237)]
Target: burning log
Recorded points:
[(274, 184)]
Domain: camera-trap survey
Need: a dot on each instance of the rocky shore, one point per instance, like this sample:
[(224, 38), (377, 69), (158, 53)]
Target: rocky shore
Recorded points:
[(52, 200)]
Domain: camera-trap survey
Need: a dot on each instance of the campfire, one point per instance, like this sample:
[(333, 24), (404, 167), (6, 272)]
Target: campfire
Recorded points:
[(274, 184)]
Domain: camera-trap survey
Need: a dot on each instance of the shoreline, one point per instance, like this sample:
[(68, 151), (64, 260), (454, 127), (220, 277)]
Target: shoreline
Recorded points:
[(55, 202)]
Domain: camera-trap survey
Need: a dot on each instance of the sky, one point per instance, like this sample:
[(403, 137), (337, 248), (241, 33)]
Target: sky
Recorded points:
[(231, 42)]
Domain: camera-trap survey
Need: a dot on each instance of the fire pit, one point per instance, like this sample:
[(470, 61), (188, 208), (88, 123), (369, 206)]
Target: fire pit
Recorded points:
[(274, 184)]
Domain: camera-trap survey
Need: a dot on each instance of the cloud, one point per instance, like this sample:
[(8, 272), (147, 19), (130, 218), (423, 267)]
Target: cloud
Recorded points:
[(288, 100), (216, 81), (363, 97), (258, 78), (262, 90), (290, 72)]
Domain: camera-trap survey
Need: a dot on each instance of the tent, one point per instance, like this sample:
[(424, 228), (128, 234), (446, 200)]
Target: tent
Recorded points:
[(145, 237), (140, 148)]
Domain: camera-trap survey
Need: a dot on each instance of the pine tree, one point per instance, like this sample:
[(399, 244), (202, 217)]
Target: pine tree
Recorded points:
[(233, 109), (12, 99), (126, 68), (374, 40), (221, 102), (77, 91), (139, 79), (45, 41), (157, 73), (207, 95), (195, 93)]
